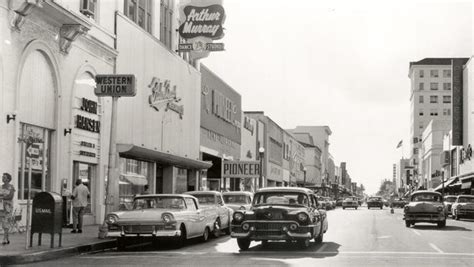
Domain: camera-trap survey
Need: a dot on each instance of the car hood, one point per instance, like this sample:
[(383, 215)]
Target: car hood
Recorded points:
[(469, 206), (145, 215), (237, 206), (278, 212), (424, 206)]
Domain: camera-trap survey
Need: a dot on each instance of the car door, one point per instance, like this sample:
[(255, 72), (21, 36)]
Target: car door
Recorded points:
[(222, 211), (195, 218), (322, 215)]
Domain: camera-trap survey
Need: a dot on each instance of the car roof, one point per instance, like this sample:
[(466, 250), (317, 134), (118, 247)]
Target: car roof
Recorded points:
[(237, 193), (285, 189), (425, 192), (163, 195), (203, 193)]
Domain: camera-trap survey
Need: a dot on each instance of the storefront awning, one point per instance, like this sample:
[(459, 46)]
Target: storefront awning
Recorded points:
[(466, 185), (147, 154), (446, 184), (134, 179)]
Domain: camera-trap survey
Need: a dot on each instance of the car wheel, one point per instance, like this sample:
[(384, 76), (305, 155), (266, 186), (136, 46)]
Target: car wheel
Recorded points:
[(320, 238), (303, 243), (381, 207), (407, 223), (244, 243), (355, 207), (217, 228), (121, 243), (205, 235), (442, 224)]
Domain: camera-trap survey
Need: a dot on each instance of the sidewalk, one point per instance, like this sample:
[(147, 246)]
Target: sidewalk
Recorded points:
[(72, 244)]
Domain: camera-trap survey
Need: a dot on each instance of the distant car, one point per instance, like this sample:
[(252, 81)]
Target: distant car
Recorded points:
[(324, 203), (375, 202), (280, 213), (399, 203), (212, 204), (238, 200), (448, 202), (339, 202), (425, 206), (463, 207), (160, 216), (350, 202), (385, 202)]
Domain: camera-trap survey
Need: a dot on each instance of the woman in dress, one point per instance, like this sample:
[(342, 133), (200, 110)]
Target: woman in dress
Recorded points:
[(6, 194)]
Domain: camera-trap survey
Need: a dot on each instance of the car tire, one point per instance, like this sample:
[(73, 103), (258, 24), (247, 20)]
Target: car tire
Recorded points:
[(442, 224), (320, 238), (244, 243), (205, 235), (303, 243), (217, 228), (121, 243), (407, 223)]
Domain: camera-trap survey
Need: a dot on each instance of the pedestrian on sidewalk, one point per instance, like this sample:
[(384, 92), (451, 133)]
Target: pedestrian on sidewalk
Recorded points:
[(79, 197), (6, 194)]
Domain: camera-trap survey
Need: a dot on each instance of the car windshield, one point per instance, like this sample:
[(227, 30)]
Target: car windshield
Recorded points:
[(348, 199), (281, 198), (466, 200), (450, 199), (159, 203), (205, 199), (426, 197), (241, 199), (374, 199)]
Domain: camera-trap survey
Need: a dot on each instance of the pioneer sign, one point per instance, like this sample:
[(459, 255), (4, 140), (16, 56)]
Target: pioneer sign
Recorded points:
[(240, 169), (115, 85), (203, 22)]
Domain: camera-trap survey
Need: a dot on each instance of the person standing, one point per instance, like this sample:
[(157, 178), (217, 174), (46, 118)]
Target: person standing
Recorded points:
[(79, 197), (6, 194)]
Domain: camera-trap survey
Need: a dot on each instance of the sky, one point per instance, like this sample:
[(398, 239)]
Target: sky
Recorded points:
[(343, 64)]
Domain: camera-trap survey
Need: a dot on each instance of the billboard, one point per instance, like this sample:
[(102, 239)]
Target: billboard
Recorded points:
[(240, 169)]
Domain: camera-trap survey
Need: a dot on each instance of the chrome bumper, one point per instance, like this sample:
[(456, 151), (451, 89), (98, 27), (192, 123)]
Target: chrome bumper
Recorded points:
[(287, 235), (170, 233), (424, 217)]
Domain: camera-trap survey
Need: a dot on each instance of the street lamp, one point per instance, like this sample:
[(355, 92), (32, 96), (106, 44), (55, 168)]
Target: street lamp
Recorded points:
[(261, 152), (304, 177)]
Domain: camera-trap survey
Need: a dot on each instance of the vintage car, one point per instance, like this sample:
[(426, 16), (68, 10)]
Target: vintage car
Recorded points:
[(339, 202), (399, 203), (425, 206), (280, 213), (213, 205), (375, 202), (159, 216), (463, 207), (238, 200), (323, 203), (350, 202), (448, 202)]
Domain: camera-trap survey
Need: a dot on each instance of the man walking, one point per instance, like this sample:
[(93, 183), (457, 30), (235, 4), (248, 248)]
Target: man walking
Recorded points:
[(79, 197)]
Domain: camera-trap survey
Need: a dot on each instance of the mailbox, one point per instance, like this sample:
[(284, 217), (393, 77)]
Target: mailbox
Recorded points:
[(47, 216)]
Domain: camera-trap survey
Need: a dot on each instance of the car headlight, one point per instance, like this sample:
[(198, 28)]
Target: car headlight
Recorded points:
[(245, 226), (238, 216), (242, 208), (406, 208), (302, 217), (167, 217), (293, 226), (111, 219)]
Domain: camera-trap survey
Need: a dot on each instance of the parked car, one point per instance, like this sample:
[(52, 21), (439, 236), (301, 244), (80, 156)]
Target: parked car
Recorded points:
[(159, 217), (280, 213), (213, 205), (385, 202), (463, 207), (339, 202), (448, 202), (238, 200), (425, 206), (399, 203), (350, 202), (323, 203), (332, 203), (375, 202)]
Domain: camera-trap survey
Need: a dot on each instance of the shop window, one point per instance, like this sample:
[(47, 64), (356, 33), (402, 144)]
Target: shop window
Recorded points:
[(35, 153), (134, 175), (87, 173), (140, 12)]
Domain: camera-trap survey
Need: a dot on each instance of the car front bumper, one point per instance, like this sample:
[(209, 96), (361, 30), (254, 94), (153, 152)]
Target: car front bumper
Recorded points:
[(431, 217), (166, 233), (272, 230)]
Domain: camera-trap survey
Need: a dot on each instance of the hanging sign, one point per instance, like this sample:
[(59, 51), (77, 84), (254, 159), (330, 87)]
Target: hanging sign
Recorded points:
[(115, 85), (203, 22)]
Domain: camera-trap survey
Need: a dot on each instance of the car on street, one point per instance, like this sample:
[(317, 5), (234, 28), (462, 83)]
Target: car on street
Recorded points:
[(448, 202), (280, 213), (160, 216), (238, 200), (339, 202), (375, 202), (425, 206), (463, 207), (324, 203), (399, 203), (350, 202), (213, 205)]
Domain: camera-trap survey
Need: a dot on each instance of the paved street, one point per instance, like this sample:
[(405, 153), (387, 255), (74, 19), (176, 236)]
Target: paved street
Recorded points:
[(355, 238)]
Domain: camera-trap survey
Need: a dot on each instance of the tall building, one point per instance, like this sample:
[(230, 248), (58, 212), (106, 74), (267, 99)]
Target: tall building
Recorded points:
[(431, 84)]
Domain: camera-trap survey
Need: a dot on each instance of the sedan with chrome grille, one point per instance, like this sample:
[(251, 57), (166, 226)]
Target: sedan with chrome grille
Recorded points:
[(463, 207), (280, 213), (162, 216), (425, 206)]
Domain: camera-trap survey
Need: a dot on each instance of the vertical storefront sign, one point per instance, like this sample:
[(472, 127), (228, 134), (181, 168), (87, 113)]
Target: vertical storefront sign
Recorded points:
[(457, 106)]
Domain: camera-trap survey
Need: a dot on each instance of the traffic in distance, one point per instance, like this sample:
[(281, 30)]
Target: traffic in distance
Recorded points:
[(294, 215)]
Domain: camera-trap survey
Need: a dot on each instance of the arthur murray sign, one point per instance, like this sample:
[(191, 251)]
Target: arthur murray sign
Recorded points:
[(203, 22)]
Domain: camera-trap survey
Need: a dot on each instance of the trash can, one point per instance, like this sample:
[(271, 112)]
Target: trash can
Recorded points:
[(47, 216)]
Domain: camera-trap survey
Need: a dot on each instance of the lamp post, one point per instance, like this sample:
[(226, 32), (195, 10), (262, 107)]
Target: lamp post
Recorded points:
[(261, 152), (304, 177)]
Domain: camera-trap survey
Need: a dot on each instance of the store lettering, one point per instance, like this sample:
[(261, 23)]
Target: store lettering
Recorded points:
[(86, 154), (87, 144), (203, 21), (89, 106), (87, 124)]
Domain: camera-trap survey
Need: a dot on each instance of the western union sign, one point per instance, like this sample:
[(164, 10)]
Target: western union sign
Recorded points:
[(115, 85), (240, 169)]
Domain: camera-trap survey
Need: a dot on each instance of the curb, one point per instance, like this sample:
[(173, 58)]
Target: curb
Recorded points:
[(56, 253)]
